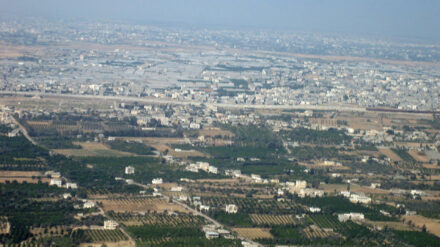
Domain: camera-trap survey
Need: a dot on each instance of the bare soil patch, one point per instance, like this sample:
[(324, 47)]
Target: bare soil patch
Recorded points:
[(253, 233), (92, 149), (419, 155), (390, 154), (141, 205), (432, 225)]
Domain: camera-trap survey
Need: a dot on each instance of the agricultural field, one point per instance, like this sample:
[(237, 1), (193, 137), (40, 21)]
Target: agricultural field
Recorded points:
[(151, 235), (131, 147), (253, 233), (279, 155), (165, 219), (318, 232), (106, 235), (140, 205), (92, 149), (390, 154), (269, 219), (432, 225), (419, 156), (404, 155), (23, 176), (255, 206), (325, 221)]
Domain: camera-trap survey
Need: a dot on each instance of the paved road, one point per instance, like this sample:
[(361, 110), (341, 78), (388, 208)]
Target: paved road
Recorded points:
[(192, 102), (24, 131)]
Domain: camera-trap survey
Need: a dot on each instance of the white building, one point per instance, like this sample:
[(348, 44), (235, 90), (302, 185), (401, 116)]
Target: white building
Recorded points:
[(157, 181), (375, 185), (203, 166), (57, 182), (183, 198), (355, 198), (351, 216), (213, 169), (14, 133), (176, 189), (314, 209), (110, 225), (300, 184), (89, 204), (345, 193), (310, 193), (231, 209), (129, 170), (212, 235), (204, 207), (71, 186)]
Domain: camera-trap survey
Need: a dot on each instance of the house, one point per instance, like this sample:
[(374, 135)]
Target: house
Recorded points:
[(89, 204), (67, 195), (356, 198), (211, 234), (192, 168), (310, 193), (52, 174), (176, 189), (204, 207), (213, 169), (231, 209), (314, 209), (345, 193), (157, 181), (203, 166), (300, 184), (233, 173), (417, 193), (183, 198), (57, 182), (351, 216), (375, 185), (14, 133), (129, 170), (71, 186), (410, 213), (110, 224)]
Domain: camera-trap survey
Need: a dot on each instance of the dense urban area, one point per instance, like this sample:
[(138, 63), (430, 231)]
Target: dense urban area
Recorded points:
[(114, 134)]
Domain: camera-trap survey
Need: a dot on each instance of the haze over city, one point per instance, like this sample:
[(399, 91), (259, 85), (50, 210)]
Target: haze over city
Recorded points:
[(392, 18)]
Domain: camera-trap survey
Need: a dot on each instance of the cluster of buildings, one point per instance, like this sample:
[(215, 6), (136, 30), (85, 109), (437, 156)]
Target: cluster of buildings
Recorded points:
[(219, 76), (204, 166), (356, 197)]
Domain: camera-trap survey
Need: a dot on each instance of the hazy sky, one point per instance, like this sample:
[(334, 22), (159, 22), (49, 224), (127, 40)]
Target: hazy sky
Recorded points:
[(394, 18)]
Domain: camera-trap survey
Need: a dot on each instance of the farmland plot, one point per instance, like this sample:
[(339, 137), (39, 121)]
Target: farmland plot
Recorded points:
[(262, 219), (140, 205), (253, 233)]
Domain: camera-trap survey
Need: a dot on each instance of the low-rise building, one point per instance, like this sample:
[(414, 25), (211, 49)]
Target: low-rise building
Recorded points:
[(211, 234), (157, 181), (71, 186), (89, 204), (356, 198), (231, 209), (314, 209), (57, 182), (129, 170), (110, 224), (351, 216)]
